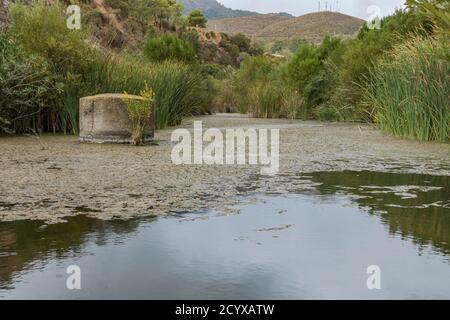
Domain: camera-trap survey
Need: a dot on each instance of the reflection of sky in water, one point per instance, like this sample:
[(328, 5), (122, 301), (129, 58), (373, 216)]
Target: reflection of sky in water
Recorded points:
[(298, 246)]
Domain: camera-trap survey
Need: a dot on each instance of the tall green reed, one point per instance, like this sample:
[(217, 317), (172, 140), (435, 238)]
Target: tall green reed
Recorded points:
[(410, 90)]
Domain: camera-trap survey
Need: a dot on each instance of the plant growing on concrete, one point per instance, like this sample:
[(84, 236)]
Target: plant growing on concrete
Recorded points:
[(140, 112)]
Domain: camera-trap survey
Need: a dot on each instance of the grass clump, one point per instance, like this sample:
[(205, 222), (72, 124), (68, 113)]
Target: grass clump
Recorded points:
[(410, 89), (168, 47), (140, 113)]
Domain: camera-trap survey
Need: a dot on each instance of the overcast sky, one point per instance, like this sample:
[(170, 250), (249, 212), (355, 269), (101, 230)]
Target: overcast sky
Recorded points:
[(356, 8)]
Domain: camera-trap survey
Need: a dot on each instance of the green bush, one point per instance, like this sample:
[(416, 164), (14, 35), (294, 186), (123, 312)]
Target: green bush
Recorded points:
[(410, 90), (140, 112), (225, 98), (214, 70), (26, 85), (196, 18), (192, 37), (41, 32), (253, 72), (241, 41), (55, 67), (259, 90), (169, 48), (304, 64)]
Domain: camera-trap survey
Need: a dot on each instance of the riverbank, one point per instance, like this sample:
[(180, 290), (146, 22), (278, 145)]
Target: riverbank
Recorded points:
[(57, 176)]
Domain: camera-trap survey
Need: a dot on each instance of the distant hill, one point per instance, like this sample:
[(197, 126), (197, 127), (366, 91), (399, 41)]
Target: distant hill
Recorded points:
[(215, 10), (250, 26), (311, 27)]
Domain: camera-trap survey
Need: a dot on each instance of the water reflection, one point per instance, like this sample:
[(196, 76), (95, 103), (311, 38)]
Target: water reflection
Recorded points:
[(415, 206), (315, 245), (24, 242)]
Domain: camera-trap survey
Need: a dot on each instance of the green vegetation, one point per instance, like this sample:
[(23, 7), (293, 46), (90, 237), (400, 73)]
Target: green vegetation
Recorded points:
[(162, 14), (396, 76), (140, 112), (436, 10), (26, 85), (169, 48), (196, 19), (40, 32), (45, 68), (409, 90)]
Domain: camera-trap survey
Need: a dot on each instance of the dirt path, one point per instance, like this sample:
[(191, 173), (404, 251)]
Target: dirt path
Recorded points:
[(117, 181)]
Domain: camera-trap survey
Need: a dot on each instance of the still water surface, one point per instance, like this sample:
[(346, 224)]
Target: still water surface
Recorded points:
[(313, 245)]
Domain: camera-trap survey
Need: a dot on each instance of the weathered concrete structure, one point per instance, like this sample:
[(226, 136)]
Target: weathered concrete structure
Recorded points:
[(104, 119)]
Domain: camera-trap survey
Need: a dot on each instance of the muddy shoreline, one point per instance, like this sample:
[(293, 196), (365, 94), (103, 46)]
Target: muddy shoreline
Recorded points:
[(57, 176)]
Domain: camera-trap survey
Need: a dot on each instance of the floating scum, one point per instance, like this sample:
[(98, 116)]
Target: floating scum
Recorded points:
[(228, 150)]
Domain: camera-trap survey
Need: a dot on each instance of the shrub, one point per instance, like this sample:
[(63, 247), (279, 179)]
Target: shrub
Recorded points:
[(214, 70), (140, 112), (192, 37), (26, 85), (225, 98), (253, 72), (196, 18), (409, 90), (241, 41), (42, 32), (169, 48), (304, 64)]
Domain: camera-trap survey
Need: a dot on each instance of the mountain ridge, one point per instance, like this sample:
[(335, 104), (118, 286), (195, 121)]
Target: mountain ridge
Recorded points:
[(311, 27), (215, 10)]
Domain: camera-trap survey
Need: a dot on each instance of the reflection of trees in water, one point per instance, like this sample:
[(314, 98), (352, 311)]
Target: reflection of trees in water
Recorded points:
[(415, 217), (23, 242)]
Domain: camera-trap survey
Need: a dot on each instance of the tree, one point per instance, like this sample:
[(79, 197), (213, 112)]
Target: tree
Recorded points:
[(196, 18), (303, 66), (156, 12)]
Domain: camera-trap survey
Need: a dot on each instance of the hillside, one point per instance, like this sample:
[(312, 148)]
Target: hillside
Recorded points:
[(213, 9), (312, 27), (247, 25)]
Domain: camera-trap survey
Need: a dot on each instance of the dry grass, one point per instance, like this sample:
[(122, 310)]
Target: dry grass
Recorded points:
[(311, 27), (246, 25)]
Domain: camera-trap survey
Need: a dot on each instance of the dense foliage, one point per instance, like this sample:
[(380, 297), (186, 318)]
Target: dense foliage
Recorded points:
[(395, 76), (196, 19), (45, 68), (157, 49), (381, 76)]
